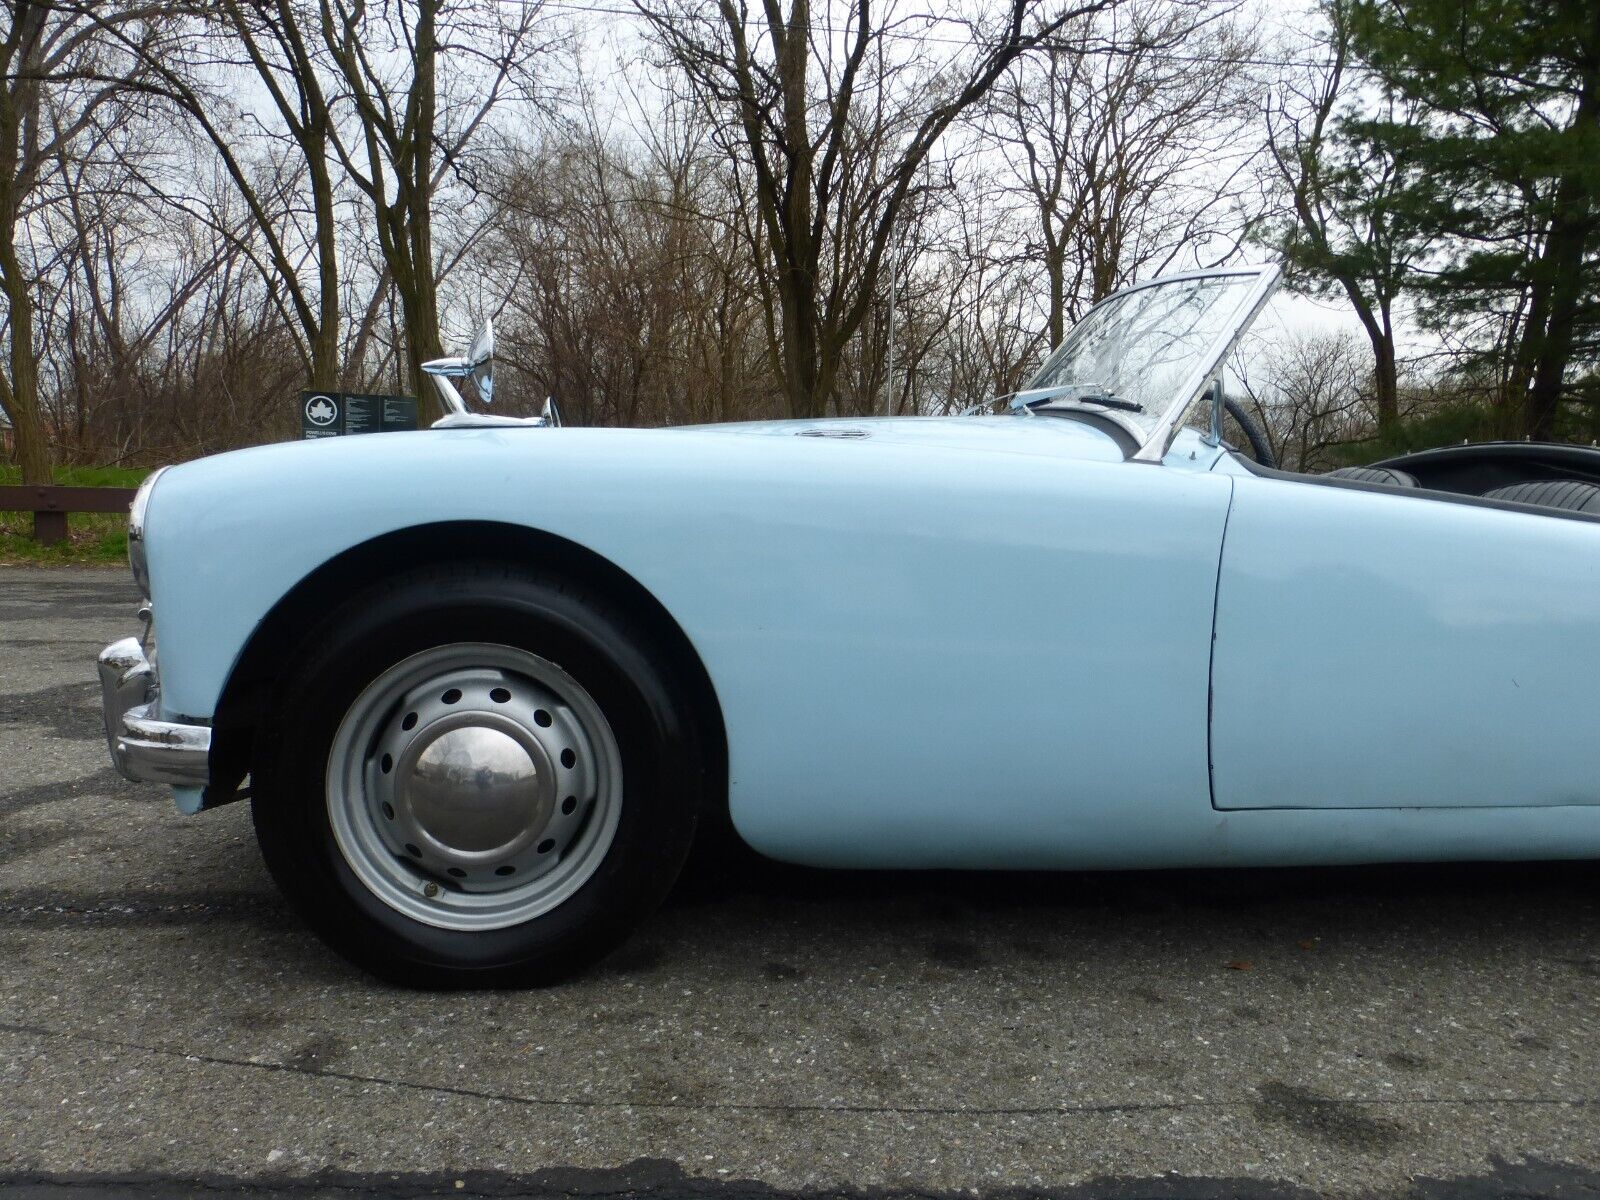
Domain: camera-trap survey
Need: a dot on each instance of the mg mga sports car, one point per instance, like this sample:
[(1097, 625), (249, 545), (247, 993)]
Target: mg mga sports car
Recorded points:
[(482, 683)]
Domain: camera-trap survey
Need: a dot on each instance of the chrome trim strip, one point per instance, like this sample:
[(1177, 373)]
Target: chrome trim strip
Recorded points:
[(145, 748), (1244, 315), (477, 420)]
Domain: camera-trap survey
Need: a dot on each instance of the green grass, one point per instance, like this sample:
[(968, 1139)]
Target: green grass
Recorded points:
[(85, 476), (92, 538)]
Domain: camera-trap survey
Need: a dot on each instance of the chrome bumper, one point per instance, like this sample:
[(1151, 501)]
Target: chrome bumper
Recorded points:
[(143, 747)]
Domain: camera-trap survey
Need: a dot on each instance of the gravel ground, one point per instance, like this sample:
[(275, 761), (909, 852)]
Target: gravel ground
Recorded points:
[(165, 1024)]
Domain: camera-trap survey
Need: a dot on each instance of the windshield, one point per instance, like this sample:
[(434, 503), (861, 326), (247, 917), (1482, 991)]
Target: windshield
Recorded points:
[(1153, 347)]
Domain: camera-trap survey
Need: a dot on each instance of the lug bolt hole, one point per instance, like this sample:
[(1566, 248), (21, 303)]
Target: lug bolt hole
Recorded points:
[(500, 695), (569, 806), (541, 719), (451, 696), (568, 758), (547, 845), (410, 722)]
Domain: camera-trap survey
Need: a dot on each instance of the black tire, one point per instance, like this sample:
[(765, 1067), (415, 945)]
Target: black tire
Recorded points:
[(1570, 494), (636, 687), (1386, 475)]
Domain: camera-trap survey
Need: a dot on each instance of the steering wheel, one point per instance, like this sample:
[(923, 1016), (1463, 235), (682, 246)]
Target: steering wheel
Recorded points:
[(1259, 446)]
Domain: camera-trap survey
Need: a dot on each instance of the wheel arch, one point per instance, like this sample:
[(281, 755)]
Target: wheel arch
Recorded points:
[(248, 689)]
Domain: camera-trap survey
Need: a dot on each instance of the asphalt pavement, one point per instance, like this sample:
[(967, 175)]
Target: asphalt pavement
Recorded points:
[(167, 1025)]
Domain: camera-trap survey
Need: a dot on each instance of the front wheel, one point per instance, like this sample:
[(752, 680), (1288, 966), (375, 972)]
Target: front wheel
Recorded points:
[(480, 776)]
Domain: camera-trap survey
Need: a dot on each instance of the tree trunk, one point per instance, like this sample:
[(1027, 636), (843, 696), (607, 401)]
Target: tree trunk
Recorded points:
[(1572, 229), (802, 352), (20, 393), (419, 304), (402, 236), (1380, 335), (1386, 380), (1056, 275), (326, 369), (797, 283)]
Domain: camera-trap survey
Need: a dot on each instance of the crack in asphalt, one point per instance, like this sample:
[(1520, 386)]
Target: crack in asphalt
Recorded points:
[(1027, 1110), (46, 909), (55, 641), (664, 1179), (126, 913)]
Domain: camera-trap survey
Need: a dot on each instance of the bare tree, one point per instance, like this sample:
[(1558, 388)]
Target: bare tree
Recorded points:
[(269, 40), (1310, 394), (62, 84), (157, 332), (628, 284), (1340, 232), (410, 128), (117, 276), (830, 122), (992, 335), (1132, 148)]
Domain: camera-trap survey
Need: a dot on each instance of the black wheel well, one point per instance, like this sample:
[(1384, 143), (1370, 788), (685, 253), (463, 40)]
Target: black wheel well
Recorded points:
[(277, 638)]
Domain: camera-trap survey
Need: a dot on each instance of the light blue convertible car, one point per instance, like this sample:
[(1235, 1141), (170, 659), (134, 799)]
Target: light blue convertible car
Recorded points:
[(483, 683)]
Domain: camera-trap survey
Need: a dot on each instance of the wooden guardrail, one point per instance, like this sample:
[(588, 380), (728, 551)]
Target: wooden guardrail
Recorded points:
[(50, 505)]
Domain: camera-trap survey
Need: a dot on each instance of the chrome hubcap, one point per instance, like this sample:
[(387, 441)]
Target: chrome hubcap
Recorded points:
[(474, 790), (474, 786)]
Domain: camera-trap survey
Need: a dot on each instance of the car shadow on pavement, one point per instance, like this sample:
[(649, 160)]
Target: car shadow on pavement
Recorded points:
[(730, 873), (662, 1179)]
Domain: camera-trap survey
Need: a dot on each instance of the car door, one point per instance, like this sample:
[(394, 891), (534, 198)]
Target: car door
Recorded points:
[(1378, 648)]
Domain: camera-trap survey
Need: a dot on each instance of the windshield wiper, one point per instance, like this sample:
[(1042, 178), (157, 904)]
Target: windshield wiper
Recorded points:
[(1102, 401), (1074, 393)]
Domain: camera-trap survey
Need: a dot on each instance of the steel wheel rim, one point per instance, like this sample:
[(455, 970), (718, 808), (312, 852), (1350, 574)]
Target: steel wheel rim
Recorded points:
[(474, 786)]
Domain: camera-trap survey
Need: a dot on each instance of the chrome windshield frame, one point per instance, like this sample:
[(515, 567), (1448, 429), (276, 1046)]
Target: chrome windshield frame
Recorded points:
[(1155, 440)]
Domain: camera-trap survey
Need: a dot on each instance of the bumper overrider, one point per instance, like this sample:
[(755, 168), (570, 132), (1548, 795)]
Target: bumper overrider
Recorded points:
[(145, 748)]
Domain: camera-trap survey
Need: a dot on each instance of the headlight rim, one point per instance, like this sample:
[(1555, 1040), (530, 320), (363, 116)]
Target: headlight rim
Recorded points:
[(137, 516)]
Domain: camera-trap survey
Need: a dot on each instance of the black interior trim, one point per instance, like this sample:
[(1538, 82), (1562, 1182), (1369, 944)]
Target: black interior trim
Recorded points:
[(1473, 468), (1420, 493)]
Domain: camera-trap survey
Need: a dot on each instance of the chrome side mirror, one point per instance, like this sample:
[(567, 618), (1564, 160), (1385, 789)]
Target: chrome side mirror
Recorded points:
[(477, 364), (480, 360)]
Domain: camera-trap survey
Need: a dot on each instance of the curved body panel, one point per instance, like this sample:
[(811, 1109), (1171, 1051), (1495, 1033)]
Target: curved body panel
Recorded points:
[(1389, 649), (952, 643), (922, 656)]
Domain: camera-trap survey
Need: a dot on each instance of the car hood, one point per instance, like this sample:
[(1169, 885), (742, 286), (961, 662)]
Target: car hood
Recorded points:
[(1052, 436), (513, 447), (509, 447)]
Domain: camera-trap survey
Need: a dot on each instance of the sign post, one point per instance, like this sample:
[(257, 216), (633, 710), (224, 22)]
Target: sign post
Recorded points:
[(333, 414)]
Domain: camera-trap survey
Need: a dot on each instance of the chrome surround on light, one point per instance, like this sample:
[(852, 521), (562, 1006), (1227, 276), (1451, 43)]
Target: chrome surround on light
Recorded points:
[(136, 518)]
